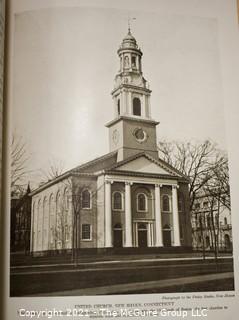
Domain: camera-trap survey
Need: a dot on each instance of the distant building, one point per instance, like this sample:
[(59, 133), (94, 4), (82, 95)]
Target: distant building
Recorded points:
[(210, 219), (21, 222), (126, 198)]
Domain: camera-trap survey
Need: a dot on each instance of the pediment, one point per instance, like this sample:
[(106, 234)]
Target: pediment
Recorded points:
[(144, 164)]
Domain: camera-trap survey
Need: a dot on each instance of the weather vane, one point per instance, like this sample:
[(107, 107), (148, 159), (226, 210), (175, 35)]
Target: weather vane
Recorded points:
[(129, 20)]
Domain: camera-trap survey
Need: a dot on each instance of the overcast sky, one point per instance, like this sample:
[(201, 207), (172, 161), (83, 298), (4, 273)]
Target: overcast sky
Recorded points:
[(65, 61)]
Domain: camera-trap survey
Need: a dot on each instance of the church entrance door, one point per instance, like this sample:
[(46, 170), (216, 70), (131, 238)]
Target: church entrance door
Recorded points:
[(118, 236), (167, 238), (142, 235)]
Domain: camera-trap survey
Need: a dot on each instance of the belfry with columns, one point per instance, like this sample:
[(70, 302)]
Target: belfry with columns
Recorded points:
[(126, 198)]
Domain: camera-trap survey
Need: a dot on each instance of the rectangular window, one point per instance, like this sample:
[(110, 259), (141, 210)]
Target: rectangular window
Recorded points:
[(86, 200), (86, 232)]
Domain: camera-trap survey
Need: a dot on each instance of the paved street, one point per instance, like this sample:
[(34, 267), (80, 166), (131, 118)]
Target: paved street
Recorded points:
[(139, 287), (88, 277)]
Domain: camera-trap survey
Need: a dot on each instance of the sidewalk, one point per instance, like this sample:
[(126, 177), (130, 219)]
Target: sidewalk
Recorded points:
[(139, 286), (122, 261), (65, 260)]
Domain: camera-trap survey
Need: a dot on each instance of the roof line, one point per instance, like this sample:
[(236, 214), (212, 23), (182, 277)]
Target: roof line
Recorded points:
[(158, 161), (141, 174), (70, 172)]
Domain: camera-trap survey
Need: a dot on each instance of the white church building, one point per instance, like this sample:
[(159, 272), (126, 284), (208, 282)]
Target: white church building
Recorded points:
[(126, 198)]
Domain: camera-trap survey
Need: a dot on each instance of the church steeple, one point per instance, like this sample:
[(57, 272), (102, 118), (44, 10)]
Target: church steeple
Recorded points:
[(131, 92), (132, 130)]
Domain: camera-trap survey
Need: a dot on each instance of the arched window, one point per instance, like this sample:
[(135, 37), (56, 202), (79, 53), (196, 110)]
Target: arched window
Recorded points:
[(142, 204), (85, 199), (44, 205), (45, 222), (39, 225), (207, 241), (58, 205), (117, 201), (52, 219), (39, 207), (34, 224), (133, 62), (126, 62), (166, 206), (66, 199), (118, 106), (136, 107), (225, 221), (51, 203)]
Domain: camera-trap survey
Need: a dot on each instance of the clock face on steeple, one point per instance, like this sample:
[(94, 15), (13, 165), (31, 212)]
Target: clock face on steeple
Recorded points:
[(115, 136), (140, 135)]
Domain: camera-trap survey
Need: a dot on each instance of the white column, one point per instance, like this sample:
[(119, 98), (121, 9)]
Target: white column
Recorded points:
[(149, 107), (149, 235), (129, 109), (128, 216), (137, 63), (40, 225), (158, 218), (32, 239), (136, 235), (176, 232), (144, 106), (108, 215), (123, 102), (43, 223), (116, 106)]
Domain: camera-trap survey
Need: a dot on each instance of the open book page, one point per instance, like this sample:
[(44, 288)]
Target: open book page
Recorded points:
[(2, 27), (123, 129)]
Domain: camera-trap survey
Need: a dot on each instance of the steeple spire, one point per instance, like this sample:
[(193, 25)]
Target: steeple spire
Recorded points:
[(129, 28), (129, 32), (132, 130), (131, 92)]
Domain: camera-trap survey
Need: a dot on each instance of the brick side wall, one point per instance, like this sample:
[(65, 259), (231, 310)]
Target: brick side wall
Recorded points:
[(87, 216)]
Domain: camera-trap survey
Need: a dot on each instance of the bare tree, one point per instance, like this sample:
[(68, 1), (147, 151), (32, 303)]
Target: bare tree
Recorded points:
[(54, 169), (207, 168), (217, 191), (218, 185), (62, 225), (213, 221), (198, 161), (19, 159), (69, 208), (75, 191)]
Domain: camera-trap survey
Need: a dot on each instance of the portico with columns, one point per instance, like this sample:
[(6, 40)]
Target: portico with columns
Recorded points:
[(145, 228)]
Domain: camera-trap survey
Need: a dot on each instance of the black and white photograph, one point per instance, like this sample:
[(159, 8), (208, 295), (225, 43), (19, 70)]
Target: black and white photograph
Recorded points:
[(119, 155)]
